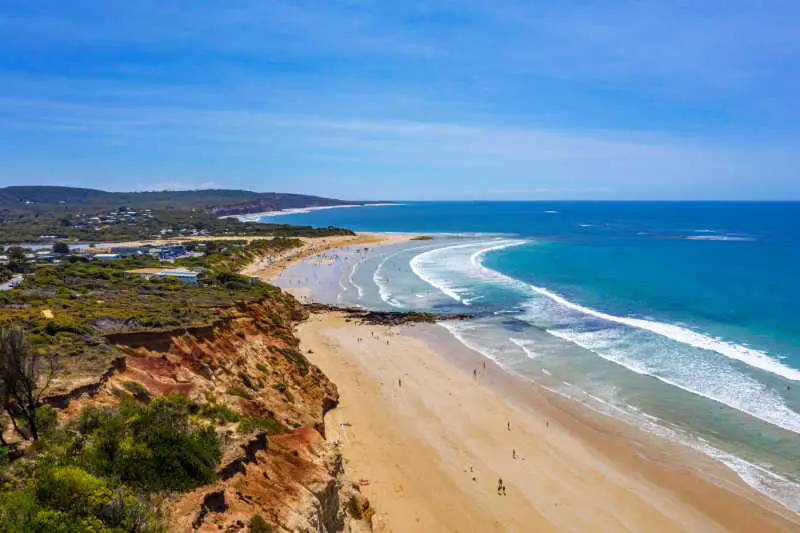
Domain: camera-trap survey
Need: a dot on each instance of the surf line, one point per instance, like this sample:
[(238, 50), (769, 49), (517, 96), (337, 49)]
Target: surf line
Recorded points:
[(418, 264)]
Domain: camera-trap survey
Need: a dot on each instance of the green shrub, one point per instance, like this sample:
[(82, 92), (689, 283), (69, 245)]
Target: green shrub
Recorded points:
[(292, 355), (152, 448), (67, 499), (353, 508), (71, 489), (137, 389), (240, 392), (257, 524), (272, 426), (46, 419), (219, 412)]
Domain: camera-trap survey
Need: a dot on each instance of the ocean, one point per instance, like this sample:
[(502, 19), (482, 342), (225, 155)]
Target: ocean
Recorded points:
[(681, 318)]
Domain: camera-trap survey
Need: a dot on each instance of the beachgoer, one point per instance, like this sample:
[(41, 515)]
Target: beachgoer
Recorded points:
[(514, 454), (509, 425), (475, 373), (499, 486), (400, 383)]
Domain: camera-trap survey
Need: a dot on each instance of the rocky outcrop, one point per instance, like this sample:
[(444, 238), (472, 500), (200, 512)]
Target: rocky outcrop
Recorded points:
[(296, 484), (384, 318)]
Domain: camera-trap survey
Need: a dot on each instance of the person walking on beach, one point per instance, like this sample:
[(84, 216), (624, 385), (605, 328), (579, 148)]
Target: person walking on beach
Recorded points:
[(514, 454), (475, 373), (499, 486), (509, 425)]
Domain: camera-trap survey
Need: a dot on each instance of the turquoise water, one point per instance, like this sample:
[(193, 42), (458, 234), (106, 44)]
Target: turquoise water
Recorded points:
[(680, 317)]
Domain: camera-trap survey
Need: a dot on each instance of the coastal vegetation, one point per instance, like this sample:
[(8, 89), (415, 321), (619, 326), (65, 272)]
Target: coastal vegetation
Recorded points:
[(110, 466), (48, 214), (68, 309), (103, 471)]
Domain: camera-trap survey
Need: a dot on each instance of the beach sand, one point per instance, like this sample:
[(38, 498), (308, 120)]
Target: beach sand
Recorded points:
[(270, 266), (431, 441)]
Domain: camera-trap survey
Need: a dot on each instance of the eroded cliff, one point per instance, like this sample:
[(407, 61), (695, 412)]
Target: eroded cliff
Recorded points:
[(271, 402)]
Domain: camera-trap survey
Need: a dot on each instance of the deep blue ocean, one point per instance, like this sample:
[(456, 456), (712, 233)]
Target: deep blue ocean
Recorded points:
[(680, 317)]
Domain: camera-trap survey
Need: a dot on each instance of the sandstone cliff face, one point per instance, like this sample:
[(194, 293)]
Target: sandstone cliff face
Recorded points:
[(249, 363)]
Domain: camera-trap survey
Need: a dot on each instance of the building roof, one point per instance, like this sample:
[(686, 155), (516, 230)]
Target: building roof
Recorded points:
[(93, 251), (178, 272), (145, 271)]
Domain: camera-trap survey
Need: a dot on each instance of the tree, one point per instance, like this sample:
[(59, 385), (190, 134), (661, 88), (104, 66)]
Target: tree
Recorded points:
[(17, 259), (24, 377), (61, 248)]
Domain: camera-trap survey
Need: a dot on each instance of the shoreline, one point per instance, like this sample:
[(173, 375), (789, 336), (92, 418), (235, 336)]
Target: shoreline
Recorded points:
[(269, 267), (702, 492), (559, 457), (254, 217)]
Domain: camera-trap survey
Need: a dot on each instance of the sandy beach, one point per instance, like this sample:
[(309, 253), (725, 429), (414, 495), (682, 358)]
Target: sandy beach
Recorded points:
[(431, 427), (431, 440), (268, 267)]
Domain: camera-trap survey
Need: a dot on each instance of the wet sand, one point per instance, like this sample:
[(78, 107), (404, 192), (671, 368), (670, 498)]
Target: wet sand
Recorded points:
[(431, 439), (268, 267)]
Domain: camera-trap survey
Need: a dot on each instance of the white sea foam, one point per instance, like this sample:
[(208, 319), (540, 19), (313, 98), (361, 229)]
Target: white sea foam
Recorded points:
[(710, 373), (425, 265), (435, 267), (713, 381), (694, 372), (353, 283), (255, 217), (761, 478), (383, 284), (732, 238), (752, 357), (525, 347)]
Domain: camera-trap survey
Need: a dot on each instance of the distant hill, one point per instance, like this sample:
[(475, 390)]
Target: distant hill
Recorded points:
[(50, 214), (212, 201)]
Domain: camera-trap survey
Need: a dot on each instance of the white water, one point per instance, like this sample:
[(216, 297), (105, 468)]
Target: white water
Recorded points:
[(709, 375), (382, 282)]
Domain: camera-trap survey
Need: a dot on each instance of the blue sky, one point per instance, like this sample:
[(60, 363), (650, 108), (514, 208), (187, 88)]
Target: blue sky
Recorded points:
[(405, 100)]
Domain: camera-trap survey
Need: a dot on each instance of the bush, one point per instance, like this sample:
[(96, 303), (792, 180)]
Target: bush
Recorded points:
[(219, 412), (354, 509), (137, 389), (67, 499), (71, 489), (272, 426), (257, 524), (152, 448)]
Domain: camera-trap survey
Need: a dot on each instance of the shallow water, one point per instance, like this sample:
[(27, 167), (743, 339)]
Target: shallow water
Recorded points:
[(678, 317)]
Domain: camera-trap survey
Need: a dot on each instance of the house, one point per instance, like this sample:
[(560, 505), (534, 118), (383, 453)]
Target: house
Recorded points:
[(172, 251), (145, 273), (91, 251), (181, 274), (106, 257), (128, 251)]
